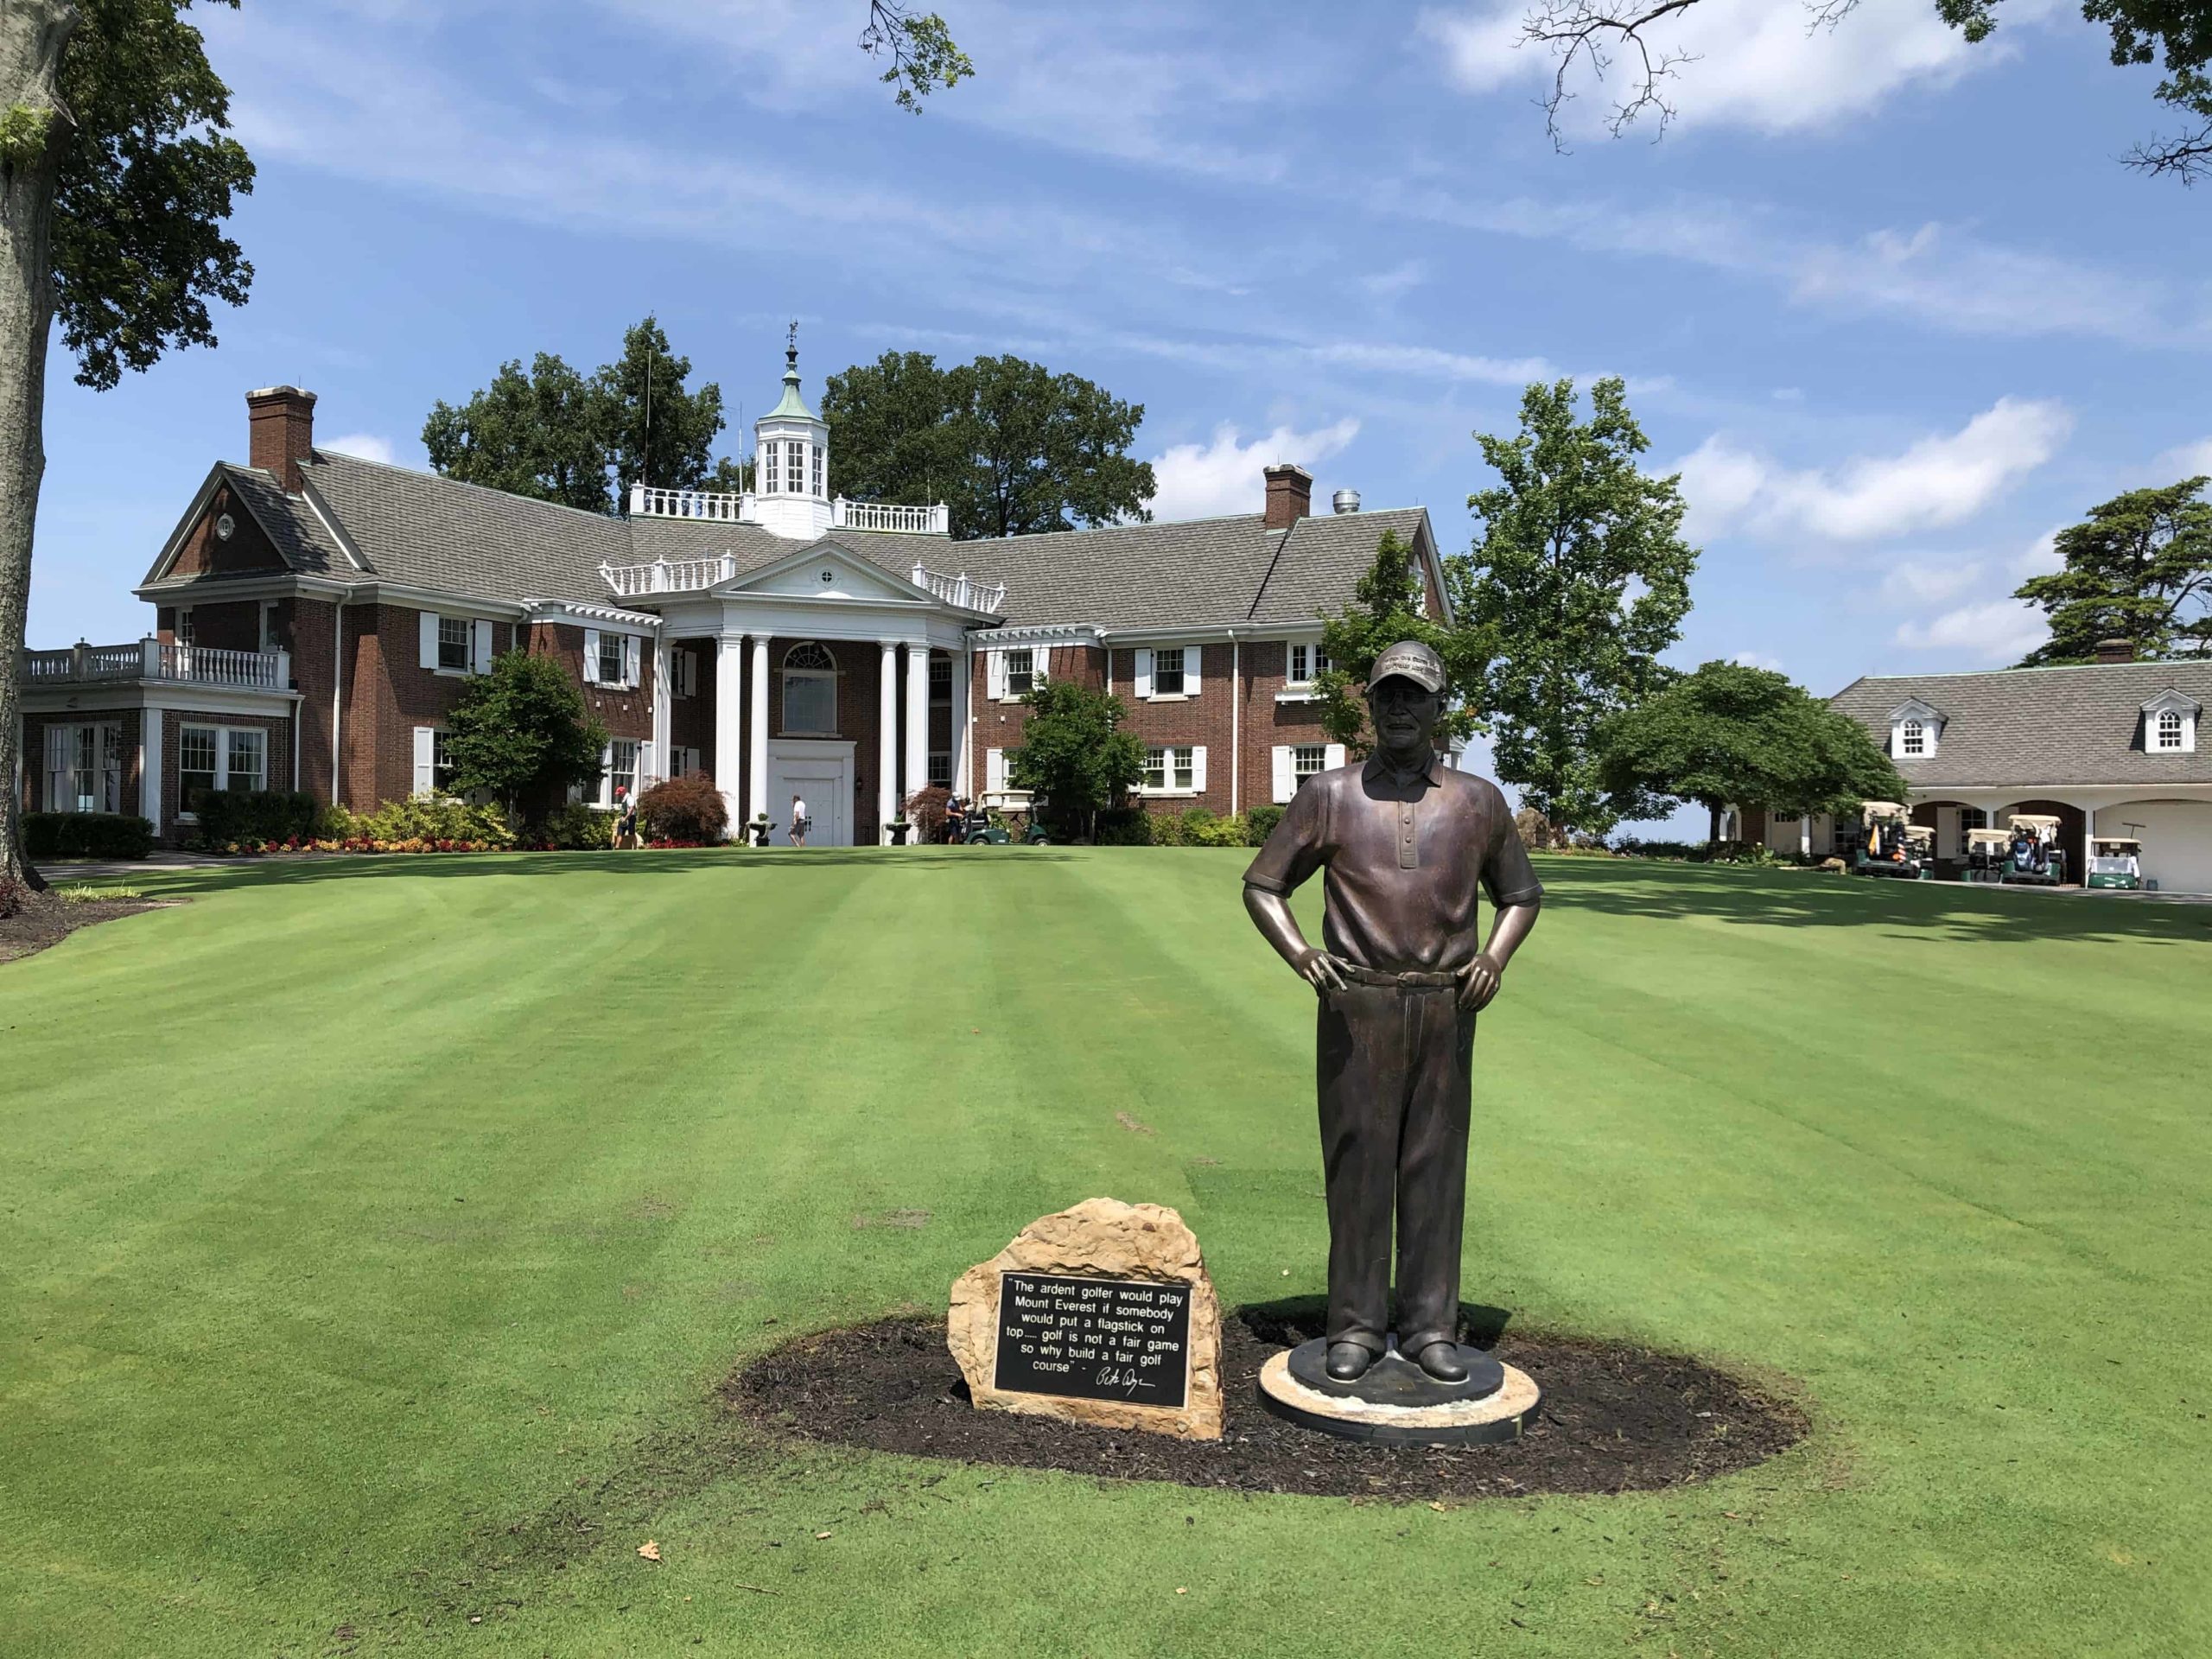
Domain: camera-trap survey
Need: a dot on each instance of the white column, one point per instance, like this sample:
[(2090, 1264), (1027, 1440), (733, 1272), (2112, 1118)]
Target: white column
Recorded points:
[(150, 768), (964, 675), (887, 741), (730, 727), (757, 784), (918, 719), (660, 703)]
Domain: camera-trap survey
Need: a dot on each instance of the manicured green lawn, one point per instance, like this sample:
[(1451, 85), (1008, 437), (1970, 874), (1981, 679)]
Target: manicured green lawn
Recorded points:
[(369, 1230)]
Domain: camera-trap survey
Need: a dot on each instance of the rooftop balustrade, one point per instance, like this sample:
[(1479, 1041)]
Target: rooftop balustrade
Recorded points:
[(152, 660)]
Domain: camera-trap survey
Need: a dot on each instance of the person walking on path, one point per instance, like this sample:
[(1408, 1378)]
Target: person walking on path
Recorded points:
[(799, 821), (626, 819)]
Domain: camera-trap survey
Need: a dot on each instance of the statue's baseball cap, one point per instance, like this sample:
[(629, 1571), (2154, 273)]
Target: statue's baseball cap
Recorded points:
[(1412, 660)]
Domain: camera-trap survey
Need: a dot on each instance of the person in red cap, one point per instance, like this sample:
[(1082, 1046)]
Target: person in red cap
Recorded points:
[(1406, 842)]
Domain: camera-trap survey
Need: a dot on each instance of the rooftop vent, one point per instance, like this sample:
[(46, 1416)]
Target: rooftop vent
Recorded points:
[(1345, 501)]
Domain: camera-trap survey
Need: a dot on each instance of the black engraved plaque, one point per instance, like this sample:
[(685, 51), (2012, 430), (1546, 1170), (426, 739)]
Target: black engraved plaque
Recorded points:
[(1094, 1338)]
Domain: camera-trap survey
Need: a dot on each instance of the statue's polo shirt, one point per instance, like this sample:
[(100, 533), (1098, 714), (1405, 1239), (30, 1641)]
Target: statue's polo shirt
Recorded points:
[(1405, 853)]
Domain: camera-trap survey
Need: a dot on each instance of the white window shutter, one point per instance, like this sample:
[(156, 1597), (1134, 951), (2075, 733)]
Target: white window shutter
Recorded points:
[(994, 676), (631, 676), (591, 656), (1040, 660), (1144, 672), (1199, 770), (1193, 656), (994, 771), (428, 621), (646, 777), (482, 630), (425, 775), (1334, 757), (607, 773), (1286, 779)]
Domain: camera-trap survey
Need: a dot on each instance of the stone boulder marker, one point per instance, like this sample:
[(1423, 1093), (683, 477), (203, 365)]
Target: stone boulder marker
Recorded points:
[(1100, 1314)]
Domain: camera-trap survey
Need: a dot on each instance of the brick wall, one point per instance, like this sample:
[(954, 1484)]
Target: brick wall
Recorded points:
[(276, 755), (308, 624), (692, 719), (204, 553)]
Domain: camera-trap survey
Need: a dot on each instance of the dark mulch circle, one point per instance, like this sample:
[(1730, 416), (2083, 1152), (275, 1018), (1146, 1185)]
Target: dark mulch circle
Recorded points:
[(1615, 1419), (45, 920)]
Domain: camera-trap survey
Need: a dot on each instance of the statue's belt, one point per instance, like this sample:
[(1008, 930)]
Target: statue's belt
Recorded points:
[(1359, 975)]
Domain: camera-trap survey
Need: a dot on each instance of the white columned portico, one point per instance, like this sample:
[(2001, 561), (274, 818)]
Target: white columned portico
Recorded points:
[(660, 756), (730, 725), (757, 781), (963, 670), (149, 765), (918, 719), (887, 757)]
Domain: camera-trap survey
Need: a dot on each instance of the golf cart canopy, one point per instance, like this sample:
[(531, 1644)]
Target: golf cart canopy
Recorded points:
[(1873, 811), (1919, 834), (2117, 846), (1987, 837), (2032, 821)]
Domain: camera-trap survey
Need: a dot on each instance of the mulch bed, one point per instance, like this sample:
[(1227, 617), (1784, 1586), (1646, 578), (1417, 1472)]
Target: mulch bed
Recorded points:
[(1615, 1419), (45, 920)]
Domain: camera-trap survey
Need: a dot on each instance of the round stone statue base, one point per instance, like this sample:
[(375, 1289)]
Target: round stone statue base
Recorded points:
[(1397, 1403)]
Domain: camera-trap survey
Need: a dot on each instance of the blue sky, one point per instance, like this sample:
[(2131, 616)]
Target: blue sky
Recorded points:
[(1888, 299)]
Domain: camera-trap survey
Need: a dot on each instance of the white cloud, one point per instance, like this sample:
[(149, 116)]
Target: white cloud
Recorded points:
[(1757, 660), (1939, 480), (367, 445), (2039, 560), (1919, 581), (1399, 279), (1996, 631), (1747, 63), (1432, 363), (2185, 460), (1207, 480)]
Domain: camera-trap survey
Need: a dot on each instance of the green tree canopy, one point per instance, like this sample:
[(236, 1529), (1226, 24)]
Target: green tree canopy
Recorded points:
[(1013, 449), (1580, 579), (1732, 734), (1074, 755), (554, 433), (2140, 569), (1387, 606), (521, 733), (118, 175)]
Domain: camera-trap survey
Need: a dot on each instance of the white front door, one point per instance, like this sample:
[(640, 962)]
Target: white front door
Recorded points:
[(820, 773)]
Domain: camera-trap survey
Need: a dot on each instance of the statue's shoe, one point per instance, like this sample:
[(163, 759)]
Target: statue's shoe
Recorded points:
[(1348, 1362), (1441, 1361)]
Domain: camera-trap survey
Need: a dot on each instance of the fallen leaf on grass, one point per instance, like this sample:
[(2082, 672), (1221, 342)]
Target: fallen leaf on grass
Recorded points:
[(650, 1550), (820, 1534)]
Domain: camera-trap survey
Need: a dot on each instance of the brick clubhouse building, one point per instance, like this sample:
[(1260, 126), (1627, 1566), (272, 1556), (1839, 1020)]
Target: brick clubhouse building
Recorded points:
[(316, 616)]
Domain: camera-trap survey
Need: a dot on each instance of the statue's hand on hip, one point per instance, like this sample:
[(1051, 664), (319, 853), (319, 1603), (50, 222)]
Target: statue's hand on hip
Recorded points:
[(1320, 970), (1478, 982)]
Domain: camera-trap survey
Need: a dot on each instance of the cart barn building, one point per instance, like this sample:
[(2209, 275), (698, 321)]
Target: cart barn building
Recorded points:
[(316, 616), (2109, 748)]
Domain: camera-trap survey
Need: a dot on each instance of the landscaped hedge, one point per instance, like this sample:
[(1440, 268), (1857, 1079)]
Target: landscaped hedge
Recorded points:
[(86, 834), (230, 817), (1198, 827)]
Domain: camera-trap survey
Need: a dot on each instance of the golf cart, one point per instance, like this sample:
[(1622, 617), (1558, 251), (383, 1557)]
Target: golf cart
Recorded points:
[(2115, 862), (1889, 844), (1986, 850), (2032, 853)]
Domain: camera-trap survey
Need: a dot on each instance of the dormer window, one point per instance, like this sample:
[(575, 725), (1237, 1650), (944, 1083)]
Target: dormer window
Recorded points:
[(1915, 730), (2170, 724)]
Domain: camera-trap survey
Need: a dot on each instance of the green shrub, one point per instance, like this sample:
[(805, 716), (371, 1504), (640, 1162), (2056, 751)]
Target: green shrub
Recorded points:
[(1125, 826), (236, 817), (1259, 823), (86, 834), (1170, 828), (573, 828), (1634, 847), (689, 808), (1212, 831)]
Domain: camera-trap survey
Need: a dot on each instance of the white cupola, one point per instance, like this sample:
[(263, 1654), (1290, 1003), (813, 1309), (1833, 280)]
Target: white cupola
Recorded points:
[(791, 460)]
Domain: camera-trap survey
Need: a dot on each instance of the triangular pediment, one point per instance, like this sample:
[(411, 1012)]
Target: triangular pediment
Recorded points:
[(825, 570), (2174, 699), (1914, 708)]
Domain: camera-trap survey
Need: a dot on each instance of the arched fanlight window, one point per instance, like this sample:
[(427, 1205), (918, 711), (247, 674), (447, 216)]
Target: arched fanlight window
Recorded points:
[(2169, 730), (809, 688), (1916, 738)]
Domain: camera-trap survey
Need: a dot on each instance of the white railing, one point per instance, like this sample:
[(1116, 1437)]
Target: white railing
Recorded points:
[(889, 518), (668, 575), (962, 590), (718, 505), (150, 660)]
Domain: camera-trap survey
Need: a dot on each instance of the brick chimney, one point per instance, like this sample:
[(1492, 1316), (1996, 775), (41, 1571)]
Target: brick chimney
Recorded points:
[(280, 428), (2116, 651), (1290, 494)]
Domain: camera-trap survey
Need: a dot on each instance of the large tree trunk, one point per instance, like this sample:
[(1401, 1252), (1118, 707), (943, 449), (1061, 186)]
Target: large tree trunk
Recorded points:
[(1713, 824), (34, 33)]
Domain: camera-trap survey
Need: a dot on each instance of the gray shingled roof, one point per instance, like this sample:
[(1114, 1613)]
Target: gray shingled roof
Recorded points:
[(300, 538), (2034, 725), (429, 531)]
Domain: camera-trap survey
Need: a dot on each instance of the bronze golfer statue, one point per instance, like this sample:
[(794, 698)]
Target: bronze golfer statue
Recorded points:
[(1406, 842)]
